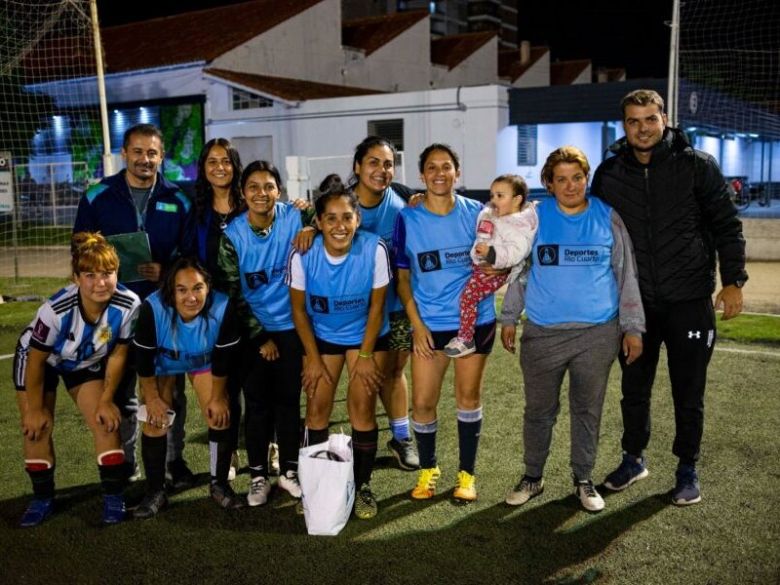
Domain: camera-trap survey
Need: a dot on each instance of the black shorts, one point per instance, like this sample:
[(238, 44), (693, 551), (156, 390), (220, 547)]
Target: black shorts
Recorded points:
[(51, 376), (484, 336), (328, 348)]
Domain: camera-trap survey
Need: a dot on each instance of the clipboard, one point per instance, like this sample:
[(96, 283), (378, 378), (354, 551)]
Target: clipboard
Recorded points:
[(133, 249)]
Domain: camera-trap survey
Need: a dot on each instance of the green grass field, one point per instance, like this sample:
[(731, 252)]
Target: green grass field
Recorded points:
[(731, 537)]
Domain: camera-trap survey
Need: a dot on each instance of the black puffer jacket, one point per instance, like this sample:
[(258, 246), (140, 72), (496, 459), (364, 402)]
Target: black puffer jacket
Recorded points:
[(678, 213)]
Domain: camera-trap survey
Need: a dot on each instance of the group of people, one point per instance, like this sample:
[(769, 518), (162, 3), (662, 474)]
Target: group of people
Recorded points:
[(248, 295)]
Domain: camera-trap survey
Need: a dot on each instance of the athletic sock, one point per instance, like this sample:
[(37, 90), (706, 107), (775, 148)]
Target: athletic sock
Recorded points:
[(41, 474), (469, 427), (220, 453), (315, 436), (425, 435), (153, 452), (111, 467), (364, 454), (400, 428)]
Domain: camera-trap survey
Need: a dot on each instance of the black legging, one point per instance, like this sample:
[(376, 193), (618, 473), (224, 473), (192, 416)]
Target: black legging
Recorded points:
[(272, 393)]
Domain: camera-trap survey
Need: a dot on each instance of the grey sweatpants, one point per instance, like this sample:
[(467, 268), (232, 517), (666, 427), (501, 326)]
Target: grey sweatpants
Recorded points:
[(545, 356)]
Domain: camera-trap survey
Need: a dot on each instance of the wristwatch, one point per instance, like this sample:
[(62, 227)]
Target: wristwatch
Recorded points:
[(740, 283)]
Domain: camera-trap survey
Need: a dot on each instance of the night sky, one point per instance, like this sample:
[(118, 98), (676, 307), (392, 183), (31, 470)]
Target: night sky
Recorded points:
[(619, 33)]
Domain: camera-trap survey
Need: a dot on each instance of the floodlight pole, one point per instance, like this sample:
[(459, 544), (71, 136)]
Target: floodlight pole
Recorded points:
[(674, 64), (108, 161)]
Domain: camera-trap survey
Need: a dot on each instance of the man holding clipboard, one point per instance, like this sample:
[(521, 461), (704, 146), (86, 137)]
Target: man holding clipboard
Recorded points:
[(151, 223)]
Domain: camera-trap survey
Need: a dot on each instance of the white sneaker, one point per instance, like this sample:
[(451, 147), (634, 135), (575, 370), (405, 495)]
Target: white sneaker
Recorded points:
[(289, 483), (258, 491), (589, 497), (273, 458), (524, 491)]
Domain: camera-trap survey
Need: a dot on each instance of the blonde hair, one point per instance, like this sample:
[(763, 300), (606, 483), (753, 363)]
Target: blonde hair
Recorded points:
[(564, 154), (91, 252)]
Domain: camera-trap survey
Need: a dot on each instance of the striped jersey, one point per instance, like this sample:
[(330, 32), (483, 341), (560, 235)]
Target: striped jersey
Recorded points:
[(73, 343)]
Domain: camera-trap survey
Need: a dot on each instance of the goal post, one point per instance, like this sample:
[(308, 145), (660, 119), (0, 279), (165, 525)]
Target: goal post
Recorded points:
[(52, 144)]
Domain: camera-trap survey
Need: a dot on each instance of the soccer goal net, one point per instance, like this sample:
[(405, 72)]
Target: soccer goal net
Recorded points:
[(50, 134), (729, 63)]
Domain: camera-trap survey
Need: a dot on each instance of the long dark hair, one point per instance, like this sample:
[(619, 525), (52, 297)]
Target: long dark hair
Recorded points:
[(361, 150), (204, 192)]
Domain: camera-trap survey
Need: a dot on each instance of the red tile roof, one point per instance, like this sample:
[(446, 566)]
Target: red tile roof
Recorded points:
[(509, 64), (565, 72), (201, 35), (452, 50), (373, 32), (292, 90)]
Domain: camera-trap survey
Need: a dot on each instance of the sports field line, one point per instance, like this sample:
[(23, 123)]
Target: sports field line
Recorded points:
[(748, 351)]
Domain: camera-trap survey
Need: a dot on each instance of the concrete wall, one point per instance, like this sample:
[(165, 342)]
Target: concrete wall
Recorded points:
[(762, 238), (479, 68), (403, 64), (538, 75), (307, 46), (468, 120)]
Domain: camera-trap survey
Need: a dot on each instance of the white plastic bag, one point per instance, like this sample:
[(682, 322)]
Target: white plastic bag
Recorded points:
[(328, 484)]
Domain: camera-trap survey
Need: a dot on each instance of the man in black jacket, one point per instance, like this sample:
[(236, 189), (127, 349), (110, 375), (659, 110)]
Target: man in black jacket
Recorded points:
[(676, 206)]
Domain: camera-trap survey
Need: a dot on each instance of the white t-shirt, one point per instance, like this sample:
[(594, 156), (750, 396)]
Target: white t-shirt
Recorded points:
[(381, 268)]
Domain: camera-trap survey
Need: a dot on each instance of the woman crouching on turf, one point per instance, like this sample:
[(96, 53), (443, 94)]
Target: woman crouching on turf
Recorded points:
[(80, 335), (337, 292), (185, 328)]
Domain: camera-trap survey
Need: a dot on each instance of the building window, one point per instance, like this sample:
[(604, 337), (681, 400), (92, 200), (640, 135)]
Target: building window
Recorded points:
[(393, 130), (244, 100), (526, 145)]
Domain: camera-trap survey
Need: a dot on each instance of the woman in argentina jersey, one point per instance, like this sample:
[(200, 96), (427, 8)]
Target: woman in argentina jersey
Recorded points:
[(431, 245), (380, 202), (582, 298), (185, 328), (80, 335), (337, 291), (252, 266)]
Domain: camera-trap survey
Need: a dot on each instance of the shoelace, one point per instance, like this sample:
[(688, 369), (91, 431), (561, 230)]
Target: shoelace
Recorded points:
[(526, 485), (588, 488), (257, 486)]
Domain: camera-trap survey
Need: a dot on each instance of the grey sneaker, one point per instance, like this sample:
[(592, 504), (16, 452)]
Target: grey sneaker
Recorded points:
[(687, 490), (289, 483), (151, 505), (590, 499), (458, 347), (524, 491), (631, 469), (405, 453), (225, 497), (258, 491)]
